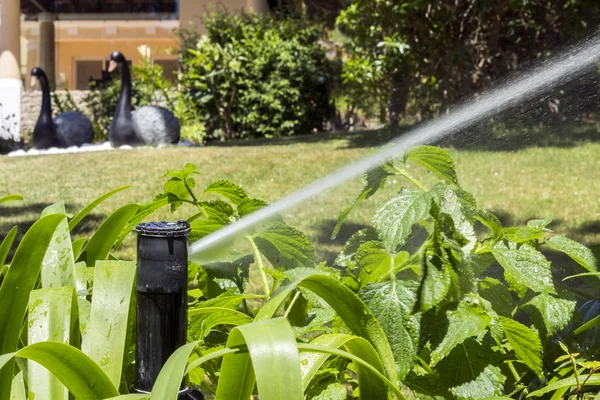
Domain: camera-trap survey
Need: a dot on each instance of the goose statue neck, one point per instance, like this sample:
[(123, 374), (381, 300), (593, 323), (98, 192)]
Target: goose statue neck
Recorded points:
[(46, 111), (124, 102)]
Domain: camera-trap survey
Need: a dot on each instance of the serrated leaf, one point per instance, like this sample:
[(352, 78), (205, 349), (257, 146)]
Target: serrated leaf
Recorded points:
[(523, 234), (527, 266), (427, 387), (578, 252), (471, 371), (539, 224), (248, 206), (468, 320), (188, 170), (395, 218), (555, 312), (374, 180), (232, 192), (451, 204), (203, 227), (490, 221), (375, 262), (285, 246), (436, 282), (526, 344), (434, 159), (332, 391), (392, 304), (217, 208), (498, 295), (345, 258)]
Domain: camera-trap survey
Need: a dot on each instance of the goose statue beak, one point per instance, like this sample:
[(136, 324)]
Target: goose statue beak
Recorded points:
[(112, 65), (33, 81)]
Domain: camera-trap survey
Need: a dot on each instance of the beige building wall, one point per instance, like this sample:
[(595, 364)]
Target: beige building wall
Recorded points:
[(191, 11)]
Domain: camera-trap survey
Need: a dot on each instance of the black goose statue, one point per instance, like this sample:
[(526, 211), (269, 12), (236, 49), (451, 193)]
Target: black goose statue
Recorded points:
[(67, 129), (147, 125)]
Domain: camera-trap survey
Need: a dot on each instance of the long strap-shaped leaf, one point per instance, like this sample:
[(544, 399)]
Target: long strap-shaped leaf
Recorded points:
[(371, 386), (6, 244), (57, 268), (18, 388), (272, 360), (349, 307), (84, 379), (106, 335), (11, 197), (83, 213), (103, 239), (18, 283)]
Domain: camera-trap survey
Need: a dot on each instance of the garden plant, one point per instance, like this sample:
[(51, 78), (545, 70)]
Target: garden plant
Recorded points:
[(437, 300)]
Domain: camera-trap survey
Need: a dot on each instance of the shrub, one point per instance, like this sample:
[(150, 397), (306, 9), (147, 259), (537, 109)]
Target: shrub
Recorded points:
[(256, 76)]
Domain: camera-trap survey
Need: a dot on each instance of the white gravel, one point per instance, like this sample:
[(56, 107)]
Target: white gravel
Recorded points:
[(73, 149)]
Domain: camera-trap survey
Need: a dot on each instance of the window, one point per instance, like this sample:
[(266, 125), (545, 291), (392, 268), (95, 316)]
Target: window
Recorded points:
[(169, 66), (86, 71)]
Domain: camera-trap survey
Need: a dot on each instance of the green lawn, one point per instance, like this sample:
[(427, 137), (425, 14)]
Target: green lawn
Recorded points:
[(556, 182)]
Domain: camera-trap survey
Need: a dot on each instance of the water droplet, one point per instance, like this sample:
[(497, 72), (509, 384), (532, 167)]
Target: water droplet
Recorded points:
[(431, 382), (368, 270), (105, 360), (304, 361)]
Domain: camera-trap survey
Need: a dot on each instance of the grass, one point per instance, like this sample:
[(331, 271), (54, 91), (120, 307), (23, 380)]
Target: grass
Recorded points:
[(561, 183)]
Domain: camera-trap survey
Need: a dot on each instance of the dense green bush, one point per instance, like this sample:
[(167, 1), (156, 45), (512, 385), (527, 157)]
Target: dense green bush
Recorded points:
[(253, 75)]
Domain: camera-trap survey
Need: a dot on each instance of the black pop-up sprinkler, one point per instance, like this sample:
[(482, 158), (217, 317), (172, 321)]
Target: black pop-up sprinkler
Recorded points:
[(162, 259)]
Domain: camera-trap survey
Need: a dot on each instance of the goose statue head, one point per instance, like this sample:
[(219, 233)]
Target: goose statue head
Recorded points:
[(67, 129), (147, 125)]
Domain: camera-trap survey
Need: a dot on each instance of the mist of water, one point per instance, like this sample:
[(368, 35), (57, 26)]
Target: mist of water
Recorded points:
[(510, 93)]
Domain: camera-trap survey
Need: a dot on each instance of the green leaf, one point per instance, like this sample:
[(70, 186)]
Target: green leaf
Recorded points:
[(436, 282), (451, 204), (77, 246), (333, 391), (571, 382), (588, 325), (203, 319), (375, 262), (490, 221), (57, 268), (99, 245), (355, 314), (392, 304), (374, 180), (498, 295), (578, 252), (471, 371), (285, 246), (169, 379), (52, 317), (394, 220), (527, 266), (18, 388), (16, 286), (427, 387), (6, 245), (144, 211), (232, 192), (468, 320), (88, 209), (107, 328), (526, 344), (248, 206), (523, 234), (345, 258), (11, 197), (182, 174), (82, 377), (434, 159), (204, 227), (555, 312), (271, 343)]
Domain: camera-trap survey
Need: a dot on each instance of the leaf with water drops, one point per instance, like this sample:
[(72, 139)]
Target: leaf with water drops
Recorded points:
[(247, 206), (578, 252), (348, 253), (434, 159), (285, 246), (436, 282), (526, 265), (395, 218), (468, 320), (523, 234), (230, 191), (392, 303), (375, 262), (498, 295), (427, 387), (490, 221), (550, 313), (452, 205), (204, 227), (471, 371), (332, 391), (526, 344), (57, 268)]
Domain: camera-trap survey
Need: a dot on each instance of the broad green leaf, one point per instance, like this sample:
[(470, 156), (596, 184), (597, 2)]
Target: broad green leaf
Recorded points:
[(394, 220), (248, 206), (179, 187), (371, 385), (216, 208), (232, 192), (349, 307), (144, 211), (578, 252), (6, 245), (107, 328), (471, 371), (434, 159), (333, 391), (18, 388), (345, 258), (490, 221), (527, 266), (375, 262), (11, 197), (16, 286), (571, 382), (52, 317), (540, 224), (468, 320), (77, 246), (374, 180), (204, 227), (57, 268), (555, 312), (231, 270), (523, 234), (436, 282), (526, 344), (272, 360), (187, 171), (427, 387), (99, 245), (498, 295), (203, 319), (392, 304), (82, 377), (285, 247), (169, 379), (451, 204), (88, 209)]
